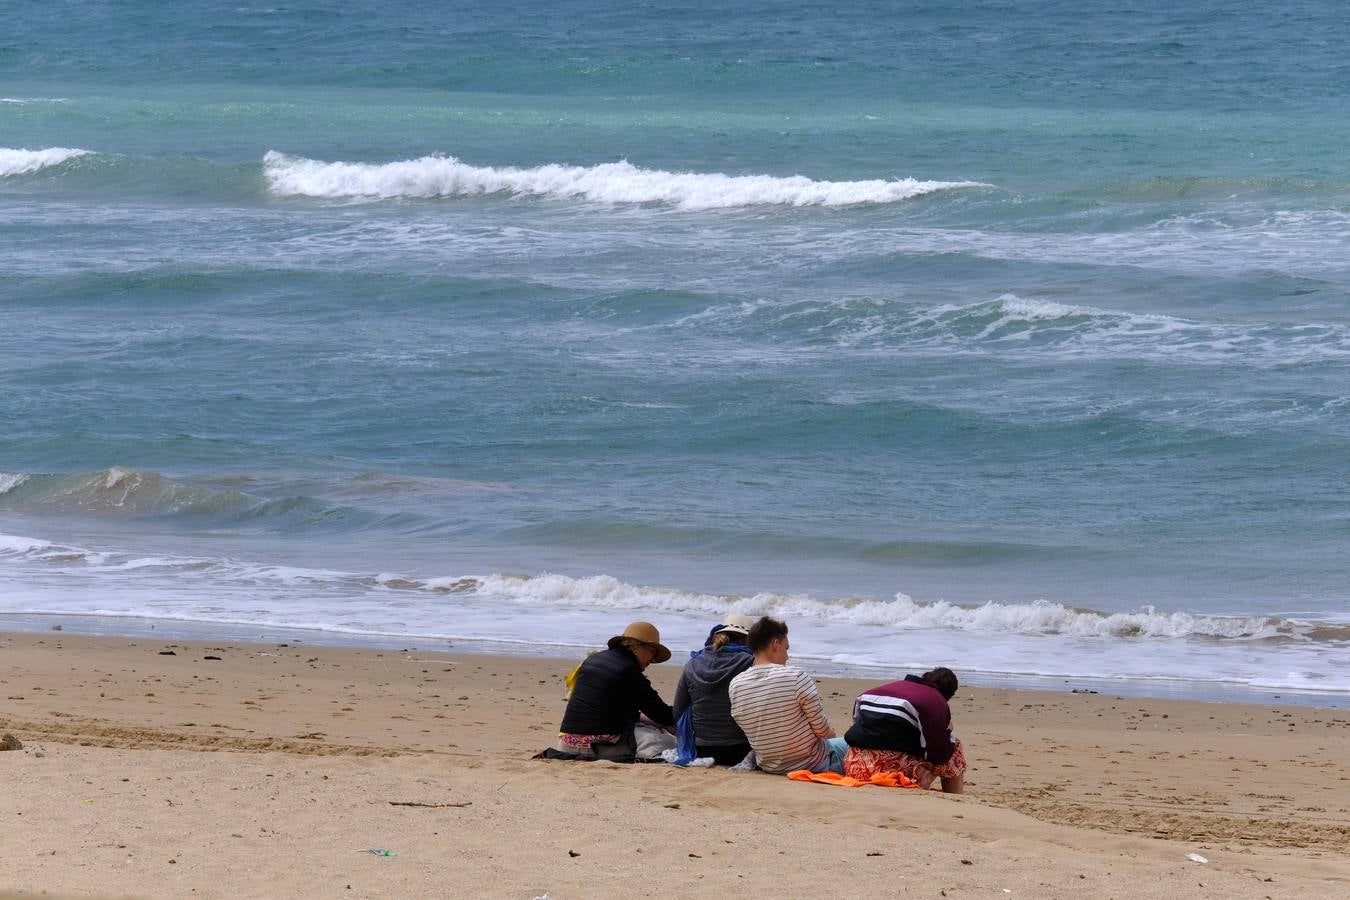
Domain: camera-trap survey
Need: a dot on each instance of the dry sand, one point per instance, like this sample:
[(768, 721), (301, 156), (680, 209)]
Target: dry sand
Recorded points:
[(237, 770)]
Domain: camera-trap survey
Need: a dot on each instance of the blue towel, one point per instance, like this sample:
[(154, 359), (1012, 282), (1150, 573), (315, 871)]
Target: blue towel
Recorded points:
[(685, 749)]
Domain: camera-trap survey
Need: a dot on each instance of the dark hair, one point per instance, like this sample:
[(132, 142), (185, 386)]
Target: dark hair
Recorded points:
[(765, 631), (944, 680)]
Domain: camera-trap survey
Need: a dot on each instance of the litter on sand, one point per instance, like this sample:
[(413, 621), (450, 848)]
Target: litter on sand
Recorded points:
[(1196, 857), (379, 851)]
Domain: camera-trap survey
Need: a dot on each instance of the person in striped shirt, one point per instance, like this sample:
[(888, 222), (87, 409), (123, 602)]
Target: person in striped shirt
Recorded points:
[(779, 709)]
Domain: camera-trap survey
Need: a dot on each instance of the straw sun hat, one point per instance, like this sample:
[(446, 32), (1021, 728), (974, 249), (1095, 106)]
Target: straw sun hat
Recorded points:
[(642, 633)]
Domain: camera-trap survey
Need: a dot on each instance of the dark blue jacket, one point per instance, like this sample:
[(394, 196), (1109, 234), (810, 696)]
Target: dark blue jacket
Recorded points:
[(703, 687)]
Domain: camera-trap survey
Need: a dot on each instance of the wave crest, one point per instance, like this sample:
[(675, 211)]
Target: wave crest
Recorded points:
[(10, 480), (903, 613), (1044, 617), (114, 491), (131, 493), (609, 595), (24, 162), (619, 182)]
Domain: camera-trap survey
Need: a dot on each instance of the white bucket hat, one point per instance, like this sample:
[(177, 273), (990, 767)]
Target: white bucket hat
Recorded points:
[(735, 623)]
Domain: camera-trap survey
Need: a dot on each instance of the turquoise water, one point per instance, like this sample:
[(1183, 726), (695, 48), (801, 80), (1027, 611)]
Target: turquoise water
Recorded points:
[(985, 335)]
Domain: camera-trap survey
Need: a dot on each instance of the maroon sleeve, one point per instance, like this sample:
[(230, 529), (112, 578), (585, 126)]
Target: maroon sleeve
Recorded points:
[(937, 731)]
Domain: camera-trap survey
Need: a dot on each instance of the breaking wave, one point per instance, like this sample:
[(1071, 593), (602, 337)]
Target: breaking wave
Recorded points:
[(114, 491), (24, 162), (130, 493), (604, 592), (619, 182), (11, 480), (902, 613)]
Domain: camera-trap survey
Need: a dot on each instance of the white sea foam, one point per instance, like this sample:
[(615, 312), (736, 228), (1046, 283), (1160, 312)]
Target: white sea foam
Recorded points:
[(65, 558), (10, 480), (556, 611), (901, 613), (16, 545), (619, 182), (1023, 308), (1083, 330), (294, 575), (23, 162), (1040, 327), (604, 592)]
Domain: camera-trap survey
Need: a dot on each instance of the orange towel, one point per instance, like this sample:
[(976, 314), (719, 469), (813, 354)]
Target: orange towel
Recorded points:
[(881, 779)]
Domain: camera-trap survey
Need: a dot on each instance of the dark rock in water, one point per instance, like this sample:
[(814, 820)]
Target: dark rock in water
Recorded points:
[(10, 742)]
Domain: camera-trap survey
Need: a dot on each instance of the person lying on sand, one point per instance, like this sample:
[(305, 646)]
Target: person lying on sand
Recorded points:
[(779, 708), (703, 692), (905, 726), (611, 694)]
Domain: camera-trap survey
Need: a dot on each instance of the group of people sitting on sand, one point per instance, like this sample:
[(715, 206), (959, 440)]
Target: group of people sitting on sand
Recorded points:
[(748, 708)]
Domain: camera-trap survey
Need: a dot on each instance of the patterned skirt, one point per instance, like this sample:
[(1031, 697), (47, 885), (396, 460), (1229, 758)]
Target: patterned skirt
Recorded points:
[(594, 746), (863, 764)]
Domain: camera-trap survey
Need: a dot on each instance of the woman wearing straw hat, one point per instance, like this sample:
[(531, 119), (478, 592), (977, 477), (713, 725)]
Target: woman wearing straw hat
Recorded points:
[(702, 692), (611, 694)]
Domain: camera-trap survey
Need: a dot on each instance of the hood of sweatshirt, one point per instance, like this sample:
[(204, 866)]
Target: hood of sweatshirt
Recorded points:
[(712, 668)]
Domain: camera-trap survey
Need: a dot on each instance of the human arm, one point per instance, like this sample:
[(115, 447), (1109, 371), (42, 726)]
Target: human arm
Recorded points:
[(937, 735), (808, 698), (649, 702)]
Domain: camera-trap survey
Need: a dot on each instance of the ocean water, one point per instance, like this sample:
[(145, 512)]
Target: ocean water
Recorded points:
[(991, 334)]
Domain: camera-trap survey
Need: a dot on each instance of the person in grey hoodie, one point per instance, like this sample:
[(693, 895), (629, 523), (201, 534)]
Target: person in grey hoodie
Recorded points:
[(703, 691)]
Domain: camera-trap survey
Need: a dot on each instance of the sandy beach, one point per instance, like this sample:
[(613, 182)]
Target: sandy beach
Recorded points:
[(171, 769)]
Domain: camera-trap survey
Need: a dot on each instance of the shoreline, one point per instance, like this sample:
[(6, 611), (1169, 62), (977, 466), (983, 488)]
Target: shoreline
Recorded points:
[(163, 767), (192, 630)]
